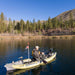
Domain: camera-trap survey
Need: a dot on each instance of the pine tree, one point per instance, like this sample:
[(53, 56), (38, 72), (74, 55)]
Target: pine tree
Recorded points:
[(27, 25), (30, 27), (2, 16), (3, 28), (49, 23), (66, 24), (18, 27), (44, 25), (22, 25), (74, 24), (2, 24), (34, 25), (55, 22), (13, 25), (39, 25), (10, 27), (61, 22), (71, 20)]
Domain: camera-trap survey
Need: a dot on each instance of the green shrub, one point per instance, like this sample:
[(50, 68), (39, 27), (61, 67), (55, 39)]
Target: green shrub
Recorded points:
[(39, 33)]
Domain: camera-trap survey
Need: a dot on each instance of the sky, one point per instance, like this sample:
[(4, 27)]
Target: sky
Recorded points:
[(34, 9)]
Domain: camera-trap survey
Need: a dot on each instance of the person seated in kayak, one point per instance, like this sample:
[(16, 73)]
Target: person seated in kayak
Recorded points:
[(50, 53), (42, 55), (36, 53)]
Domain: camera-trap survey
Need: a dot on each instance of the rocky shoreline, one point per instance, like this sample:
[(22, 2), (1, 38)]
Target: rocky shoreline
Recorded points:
[(36, 37)]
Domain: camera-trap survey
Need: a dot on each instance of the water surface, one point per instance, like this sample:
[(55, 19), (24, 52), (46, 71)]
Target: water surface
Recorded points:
[(63, 65)]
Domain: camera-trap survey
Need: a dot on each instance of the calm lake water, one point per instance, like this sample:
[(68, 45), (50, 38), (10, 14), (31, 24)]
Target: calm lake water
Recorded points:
[(64, 64)]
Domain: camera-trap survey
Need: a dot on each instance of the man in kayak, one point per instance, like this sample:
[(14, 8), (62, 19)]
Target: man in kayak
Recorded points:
[(36, 53)]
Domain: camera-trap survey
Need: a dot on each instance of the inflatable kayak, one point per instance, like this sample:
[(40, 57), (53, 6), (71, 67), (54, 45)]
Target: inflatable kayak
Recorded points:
[(28, 63)]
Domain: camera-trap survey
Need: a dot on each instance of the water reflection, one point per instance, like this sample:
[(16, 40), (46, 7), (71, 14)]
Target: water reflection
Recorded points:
[(35, 71)]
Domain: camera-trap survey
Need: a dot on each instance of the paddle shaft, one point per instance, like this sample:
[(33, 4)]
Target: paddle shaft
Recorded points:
[(28, 51), (44, 61)]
